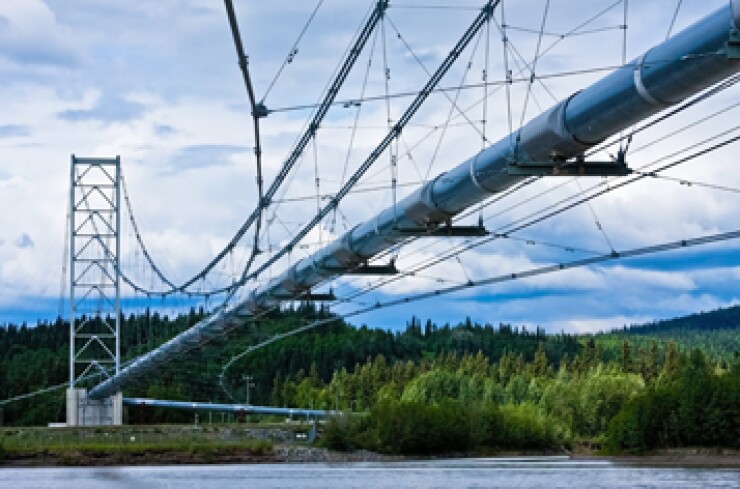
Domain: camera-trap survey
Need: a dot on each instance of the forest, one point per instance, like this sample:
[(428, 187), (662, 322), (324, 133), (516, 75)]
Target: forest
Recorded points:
[(431, 388)]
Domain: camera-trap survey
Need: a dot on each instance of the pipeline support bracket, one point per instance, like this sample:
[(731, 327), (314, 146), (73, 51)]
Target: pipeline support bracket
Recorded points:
[(309, 297), (445, 231), (732, 48), (576, 168), (367, 269)]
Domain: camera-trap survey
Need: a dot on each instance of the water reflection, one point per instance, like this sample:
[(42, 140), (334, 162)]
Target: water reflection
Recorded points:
[(530, 472)]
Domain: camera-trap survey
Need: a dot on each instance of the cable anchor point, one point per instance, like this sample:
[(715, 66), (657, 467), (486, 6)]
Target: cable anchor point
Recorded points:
[(260, 110)]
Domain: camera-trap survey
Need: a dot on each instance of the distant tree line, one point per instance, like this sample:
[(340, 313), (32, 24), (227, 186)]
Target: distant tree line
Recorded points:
[(517, 404), (516, 388)]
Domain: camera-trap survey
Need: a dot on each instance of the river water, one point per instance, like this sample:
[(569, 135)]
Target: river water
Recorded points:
[(535, 472)]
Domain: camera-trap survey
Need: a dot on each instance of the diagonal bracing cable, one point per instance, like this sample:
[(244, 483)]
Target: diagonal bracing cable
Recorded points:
[(293, 51), (648, 125), (100, 390), (533, 272), (534, 219), (423, 94), (353, 54)]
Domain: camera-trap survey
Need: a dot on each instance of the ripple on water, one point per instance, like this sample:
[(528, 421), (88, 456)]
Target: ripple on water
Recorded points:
[(530, 472)]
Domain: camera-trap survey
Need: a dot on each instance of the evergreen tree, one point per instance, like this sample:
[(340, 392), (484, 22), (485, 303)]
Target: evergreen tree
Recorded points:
[(671, 364), (626, 360), (277, 390), (540, 365)]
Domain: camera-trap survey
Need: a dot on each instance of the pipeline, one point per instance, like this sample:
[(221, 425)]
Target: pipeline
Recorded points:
[(228, 408), (683, 65)]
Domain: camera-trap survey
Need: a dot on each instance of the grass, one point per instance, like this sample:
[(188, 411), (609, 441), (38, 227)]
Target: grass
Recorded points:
[(127, 441), (252, 447)]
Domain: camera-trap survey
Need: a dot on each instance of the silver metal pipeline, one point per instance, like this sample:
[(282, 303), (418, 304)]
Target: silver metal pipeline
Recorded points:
[(683, 65), (228, 408)]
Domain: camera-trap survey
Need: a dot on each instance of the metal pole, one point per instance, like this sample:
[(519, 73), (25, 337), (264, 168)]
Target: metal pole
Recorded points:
[(248, 384), (72, 272), (117, 261)]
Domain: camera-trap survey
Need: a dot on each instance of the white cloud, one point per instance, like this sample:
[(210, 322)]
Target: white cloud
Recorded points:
[(158, 84), (31, 35), (24, 241)]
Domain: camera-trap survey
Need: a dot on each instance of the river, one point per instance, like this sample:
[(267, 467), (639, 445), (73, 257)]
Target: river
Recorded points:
[(529, 472)]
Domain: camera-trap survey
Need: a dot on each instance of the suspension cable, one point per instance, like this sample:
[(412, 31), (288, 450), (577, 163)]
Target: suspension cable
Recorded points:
[(529, 221), (383, 145), (534, 272), (446, 124), (137, 234), (353, 53), (685, 106), (293, 51)]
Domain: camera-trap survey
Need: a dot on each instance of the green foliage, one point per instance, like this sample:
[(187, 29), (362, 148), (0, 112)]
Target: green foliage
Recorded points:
[(434, 386), (340, 433), (37, 357), (626, 360), (699, 408), (587, 403), (449, 426), (717, 333), (413, 427), (428, 389), (524, 427)]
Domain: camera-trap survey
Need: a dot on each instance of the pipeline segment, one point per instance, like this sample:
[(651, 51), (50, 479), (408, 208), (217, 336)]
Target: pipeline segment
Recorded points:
[(228, 408), (681, 66)]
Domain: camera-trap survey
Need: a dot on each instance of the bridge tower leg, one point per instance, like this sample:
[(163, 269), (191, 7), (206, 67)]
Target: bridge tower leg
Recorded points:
[(94, 288)]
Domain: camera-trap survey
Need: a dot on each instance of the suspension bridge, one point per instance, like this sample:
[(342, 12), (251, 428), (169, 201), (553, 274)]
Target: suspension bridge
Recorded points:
[(429, 221)]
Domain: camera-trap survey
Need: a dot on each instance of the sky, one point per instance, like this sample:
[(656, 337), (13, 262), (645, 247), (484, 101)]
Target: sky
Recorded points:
[(158, 84)]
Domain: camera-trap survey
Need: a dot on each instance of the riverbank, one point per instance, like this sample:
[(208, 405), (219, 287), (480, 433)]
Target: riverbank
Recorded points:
[(677, 457), (152, 456), (168, 445), (292, 453), (213, 455), (255, 444)]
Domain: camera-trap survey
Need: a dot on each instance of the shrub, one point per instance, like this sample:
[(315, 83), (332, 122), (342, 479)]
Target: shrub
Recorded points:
[(524, 427), (698, 409), (339, 433)]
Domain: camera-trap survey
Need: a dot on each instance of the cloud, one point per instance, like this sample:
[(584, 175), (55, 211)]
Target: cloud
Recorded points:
[(164, 130), (158, 84), (107, 109), (31, 35), (14, 130), (205, 155), (24, 242)]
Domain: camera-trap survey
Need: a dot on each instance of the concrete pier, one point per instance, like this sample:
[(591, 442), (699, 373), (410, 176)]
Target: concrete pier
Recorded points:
[(84, 411)]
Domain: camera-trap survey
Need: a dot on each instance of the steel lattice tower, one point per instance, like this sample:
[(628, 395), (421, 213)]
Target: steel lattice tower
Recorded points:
[(94, 273)]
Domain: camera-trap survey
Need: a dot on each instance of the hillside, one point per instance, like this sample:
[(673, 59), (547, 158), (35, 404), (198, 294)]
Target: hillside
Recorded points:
[(34, 357), (717, 332)]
